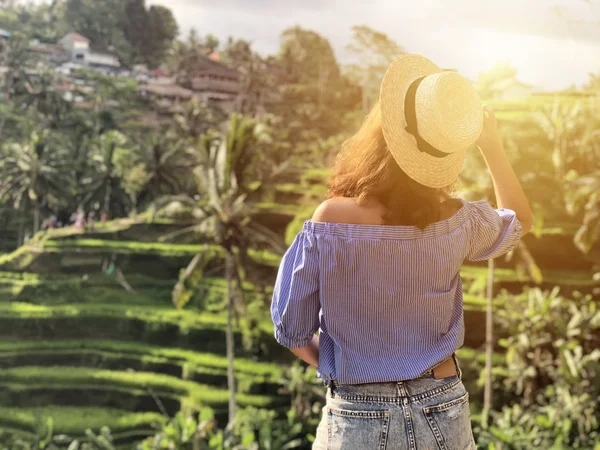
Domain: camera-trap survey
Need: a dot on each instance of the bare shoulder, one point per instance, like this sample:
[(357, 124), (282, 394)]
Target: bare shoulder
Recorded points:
[(345, 210)]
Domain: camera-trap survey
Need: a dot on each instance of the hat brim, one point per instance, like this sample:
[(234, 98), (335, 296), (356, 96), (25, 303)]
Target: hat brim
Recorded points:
[(420, 166)]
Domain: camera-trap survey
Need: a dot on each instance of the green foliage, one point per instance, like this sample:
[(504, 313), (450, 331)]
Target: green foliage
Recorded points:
[(258, 429), (43, 22), (31, 173), (187, 433), (189, 280), (74, 421), (315, 97), (16, 85), (226, 216), (150, 31), (254, 429), (91, 441), (110, 153), (583, 196), (164, 161), (306, 392), (569, 130), (196, 119), (553, 371), (374, 51)]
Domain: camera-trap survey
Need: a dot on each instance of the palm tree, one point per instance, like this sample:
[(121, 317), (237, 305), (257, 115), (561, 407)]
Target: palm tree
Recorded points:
[(16, 81), (584, 195), (477, 182), (225, 214), (31, 173), (572, 132), (489, 344), (196, 119), (165, 162), (107, 152)]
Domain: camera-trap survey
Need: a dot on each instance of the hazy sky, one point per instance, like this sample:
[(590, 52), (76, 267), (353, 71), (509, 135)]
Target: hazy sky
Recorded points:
[(553, 43)]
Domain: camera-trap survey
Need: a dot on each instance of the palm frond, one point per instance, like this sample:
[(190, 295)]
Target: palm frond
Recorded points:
[(197, 228), (263, 234)]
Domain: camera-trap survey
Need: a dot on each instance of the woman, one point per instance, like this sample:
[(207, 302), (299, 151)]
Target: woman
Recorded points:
[(376, 270)]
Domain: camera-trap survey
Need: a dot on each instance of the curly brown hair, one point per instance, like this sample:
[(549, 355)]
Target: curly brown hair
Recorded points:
[(365, 170)]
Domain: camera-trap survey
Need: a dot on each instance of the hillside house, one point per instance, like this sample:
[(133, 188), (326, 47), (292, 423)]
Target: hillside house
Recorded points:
[(78, 49), (218, 83), (169, 97), (53, 54)]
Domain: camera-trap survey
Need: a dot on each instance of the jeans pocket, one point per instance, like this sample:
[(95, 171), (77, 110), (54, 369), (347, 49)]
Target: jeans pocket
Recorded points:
[(354, 430), (450, 423)]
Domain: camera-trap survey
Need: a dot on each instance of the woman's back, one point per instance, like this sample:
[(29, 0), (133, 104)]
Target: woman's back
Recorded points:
[(388, 298), (377, 270)]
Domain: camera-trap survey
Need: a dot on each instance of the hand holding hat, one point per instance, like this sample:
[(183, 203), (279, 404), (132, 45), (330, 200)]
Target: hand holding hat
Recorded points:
[(489, 138), (430, 117)]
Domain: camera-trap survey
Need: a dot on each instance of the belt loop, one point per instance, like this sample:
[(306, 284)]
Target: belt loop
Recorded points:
[(403, 393), (458, 371), (331, 386)]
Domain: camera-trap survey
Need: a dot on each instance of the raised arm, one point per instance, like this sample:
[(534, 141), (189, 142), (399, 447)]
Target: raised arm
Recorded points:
[(507, 187)]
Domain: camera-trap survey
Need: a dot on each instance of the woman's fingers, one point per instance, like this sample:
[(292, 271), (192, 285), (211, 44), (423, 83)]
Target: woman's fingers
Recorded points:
[(491, 116)]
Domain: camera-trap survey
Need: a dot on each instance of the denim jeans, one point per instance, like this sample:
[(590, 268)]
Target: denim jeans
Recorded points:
[(420, 414)]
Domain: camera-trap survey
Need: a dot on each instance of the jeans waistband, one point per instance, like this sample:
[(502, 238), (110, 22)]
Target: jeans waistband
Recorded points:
[(415, 386)]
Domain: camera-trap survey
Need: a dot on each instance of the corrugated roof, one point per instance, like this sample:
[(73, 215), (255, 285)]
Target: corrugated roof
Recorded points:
[(168, 90), (78, 37), (48, 49), (105, 59), (209, 67)]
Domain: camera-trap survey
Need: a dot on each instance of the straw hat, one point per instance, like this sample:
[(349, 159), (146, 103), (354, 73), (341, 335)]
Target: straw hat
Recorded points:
[(430, 118)]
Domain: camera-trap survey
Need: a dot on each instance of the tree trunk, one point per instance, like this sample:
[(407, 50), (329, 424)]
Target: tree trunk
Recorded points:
[(36, 217), (489, 344), (365, 98), (7, 88), (107, 195), (229, 335), (21, 232)]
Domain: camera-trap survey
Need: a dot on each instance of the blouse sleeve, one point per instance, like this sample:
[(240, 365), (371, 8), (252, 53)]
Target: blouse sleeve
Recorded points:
[(296, 305), (494, 232)]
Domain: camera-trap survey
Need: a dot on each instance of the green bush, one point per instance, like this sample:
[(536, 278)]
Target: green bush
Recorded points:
[(255, 429), (552, 374), (48, 440), (74, 421)]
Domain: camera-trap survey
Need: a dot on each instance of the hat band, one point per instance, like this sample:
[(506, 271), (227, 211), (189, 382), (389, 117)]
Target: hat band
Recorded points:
[(410, 112)]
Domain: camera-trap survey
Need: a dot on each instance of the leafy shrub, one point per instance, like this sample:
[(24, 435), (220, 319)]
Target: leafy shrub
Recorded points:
[(552, 371)]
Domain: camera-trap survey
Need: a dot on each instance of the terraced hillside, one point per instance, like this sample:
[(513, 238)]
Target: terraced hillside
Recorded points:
[(76, 343)]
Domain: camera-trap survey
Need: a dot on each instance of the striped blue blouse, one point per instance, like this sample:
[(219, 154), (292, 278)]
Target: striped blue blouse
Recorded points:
[(387, 300)]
